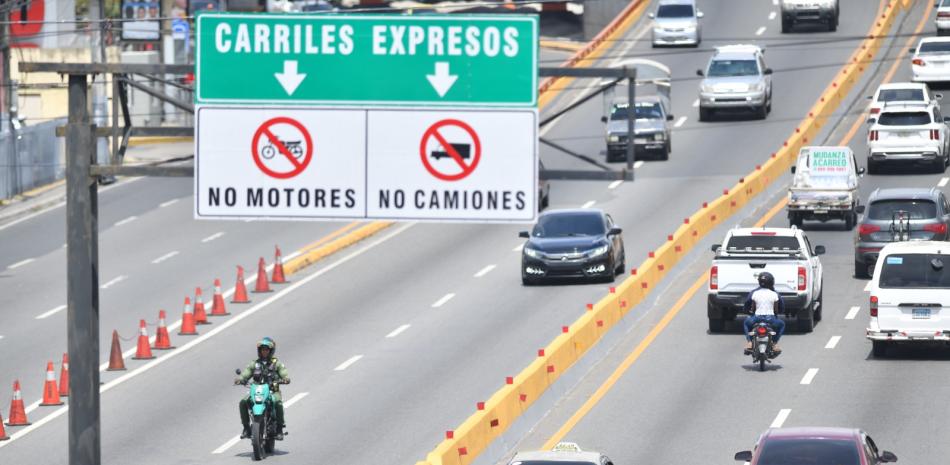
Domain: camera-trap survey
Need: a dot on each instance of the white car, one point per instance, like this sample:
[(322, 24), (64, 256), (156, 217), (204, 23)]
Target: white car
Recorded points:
[(908, 133), (943, 17), (910, 295), (931, 60), (913, 92), (564, 453), (676, 22)]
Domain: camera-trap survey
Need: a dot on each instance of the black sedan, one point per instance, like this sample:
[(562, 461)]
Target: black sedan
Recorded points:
[(583, 243)]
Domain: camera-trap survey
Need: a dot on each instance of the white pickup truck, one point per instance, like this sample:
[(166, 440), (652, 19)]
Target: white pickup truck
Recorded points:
[(747, 252)]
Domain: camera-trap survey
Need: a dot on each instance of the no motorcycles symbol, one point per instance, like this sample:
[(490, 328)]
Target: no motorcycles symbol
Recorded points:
[(450, 150), (282, 147)]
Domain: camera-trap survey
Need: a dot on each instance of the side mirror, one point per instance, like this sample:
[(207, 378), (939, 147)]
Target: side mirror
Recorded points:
[(913, 50), (888, 456), (946, 119), (524, 234), (861, 171), (651, 15), (938, 96), (700, 14), (819, 250), (699, 72), (859, 208), (237, 371), (870, 97), (716, 247), (767, 71), (744, 456), (871, 121), (669, 117), (793, 169), (603, 119), (614, 231)]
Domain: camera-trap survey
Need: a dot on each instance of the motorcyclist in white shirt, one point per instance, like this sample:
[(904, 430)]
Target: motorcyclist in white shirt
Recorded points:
[(764, 301)]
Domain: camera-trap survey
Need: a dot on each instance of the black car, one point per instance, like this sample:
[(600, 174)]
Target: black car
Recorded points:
[(582, 243), (898, 214)]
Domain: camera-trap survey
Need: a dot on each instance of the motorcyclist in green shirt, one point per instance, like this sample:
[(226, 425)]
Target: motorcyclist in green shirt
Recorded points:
[(266, 348)]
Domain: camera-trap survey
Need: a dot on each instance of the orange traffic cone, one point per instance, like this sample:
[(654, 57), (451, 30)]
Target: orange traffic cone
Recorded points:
[(17, 410), (3, 434), (115, 356), (144, 350), (217, 303), (278, 274), (162, 341), (187, 321), (50, 391), (201, 317), (240, 290), (64, 377), (262, 285)]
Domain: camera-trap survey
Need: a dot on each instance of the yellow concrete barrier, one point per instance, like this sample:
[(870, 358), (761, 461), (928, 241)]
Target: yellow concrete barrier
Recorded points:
[(308, 257), (503, 408)]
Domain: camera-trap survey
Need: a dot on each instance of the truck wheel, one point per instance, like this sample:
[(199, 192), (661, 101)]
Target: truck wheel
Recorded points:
[(940, 165), (786, 26), (872, 167), (716, 325), (806, 322), (819, 303), (762, 112), (833, 25), (879, 349), (860, 270), (665, 154), (796, 219), (850, 218)]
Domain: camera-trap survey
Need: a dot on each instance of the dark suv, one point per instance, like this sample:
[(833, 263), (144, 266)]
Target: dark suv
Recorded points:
[(893, 215)]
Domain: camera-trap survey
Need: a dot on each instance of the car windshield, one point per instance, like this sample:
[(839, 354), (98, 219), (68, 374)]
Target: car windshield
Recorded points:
[(725, 68), (569, 224), (934, 47), (899, 95), (809, 452), (908, 118), (915, 270), (914, 209), (644, 111), (762, 243), (674, 11)]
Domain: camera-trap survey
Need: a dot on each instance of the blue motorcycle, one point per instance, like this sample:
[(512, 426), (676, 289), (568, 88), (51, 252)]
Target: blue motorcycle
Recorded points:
[(263, 413)]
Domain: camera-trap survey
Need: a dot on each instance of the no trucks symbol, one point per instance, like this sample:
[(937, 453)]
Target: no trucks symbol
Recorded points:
[(450, 150), (282, 147)]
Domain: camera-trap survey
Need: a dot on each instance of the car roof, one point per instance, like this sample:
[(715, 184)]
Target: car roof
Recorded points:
[(677, 2), (904, 106), (566, 211), (911, 193), (738, 51), (812, 432), (902, 85), (940, 247), (784, 232), (934, 39), (557, 456)]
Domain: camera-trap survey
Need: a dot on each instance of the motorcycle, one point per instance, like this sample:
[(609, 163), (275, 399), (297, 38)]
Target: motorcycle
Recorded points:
[(263, 413), (762, 343)]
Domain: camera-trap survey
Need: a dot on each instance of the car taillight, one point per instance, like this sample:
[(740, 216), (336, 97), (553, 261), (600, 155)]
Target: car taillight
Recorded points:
[(875, 110), (866, 229), (918, 62), (943, 14), (714, 278), (801, 278), (873, 305), (761, 330), (939, 228), (873, 135), (934, 134)]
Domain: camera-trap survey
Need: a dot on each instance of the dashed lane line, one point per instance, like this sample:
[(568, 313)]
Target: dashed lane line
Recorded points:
[(51, 312), (852, 313), (165, 257), (833, 342), (772, 15), (125, 221), (113, 281), (780, 418), (943, 182), (349, 362), (21, 263), (588, 204), (638, 164), (397, 331), (443, 300), (615, 184), (679, 122), (809, 376), (760, 31), (484, 271), (165, 204), (213, 237), (867, 287), (695, 103)]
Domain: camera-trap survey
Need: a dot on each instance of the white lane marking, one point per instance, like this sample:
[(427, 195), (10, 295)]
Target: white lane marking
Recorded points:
[(443, 300), (809, 376), (759, 31), (615, 184), (867, 287), (638, 164), (348, 362), (852, 313), (213, 237), (165, 204), (397, 331), (679, 122), (943, 182), (833, 342), (113, 282), (125, 221), (484, 271), (21, 263), (775, 2), (204, 337), (165, 257), (62, 204), (780, 418), (695, 103), (236, 439), (772, 15), (518, 248), (588, 204), (51, 312)]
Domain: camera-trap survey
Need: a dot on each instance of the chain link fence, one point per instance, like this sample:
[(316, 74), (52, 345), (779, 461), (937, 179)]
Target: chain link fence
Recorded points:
[(35, 157)]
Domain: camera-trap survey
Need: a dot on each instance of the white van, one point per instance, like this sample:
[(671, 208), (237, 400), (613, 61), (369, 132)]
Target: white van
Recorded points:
[(825, 186), (910, 295)]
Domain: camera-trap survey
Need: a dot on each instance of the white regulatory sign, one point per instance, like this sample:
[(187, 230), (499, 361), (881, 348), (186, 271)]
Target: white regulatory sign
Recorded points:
[(292, 163)]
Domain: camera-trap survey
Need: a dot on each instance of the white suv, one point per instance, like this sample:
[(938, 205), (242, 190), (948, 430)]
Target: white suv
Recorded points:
[(910, 295)]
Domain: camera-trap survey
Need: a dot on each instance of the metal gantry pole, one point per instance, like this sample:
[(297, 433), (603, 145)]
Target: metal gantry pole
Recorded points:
[(82, 240)]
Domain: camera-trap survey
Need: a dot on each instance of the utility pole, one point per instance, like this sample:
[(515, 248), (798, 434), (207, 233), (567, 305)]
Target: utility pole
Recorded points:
[(97, 52)]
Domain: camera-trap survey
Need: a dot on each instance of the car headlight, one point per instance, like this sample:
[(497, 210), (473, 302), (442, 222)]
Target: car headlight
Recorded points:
[(706, 88), (659, 136), (613, 138), (690, 29), (532, 253), (758, 87), (598, 251)]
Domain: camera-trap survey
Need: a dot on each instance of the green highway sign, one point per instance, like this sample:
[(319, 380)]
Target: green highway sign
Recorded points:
[(367, 60)]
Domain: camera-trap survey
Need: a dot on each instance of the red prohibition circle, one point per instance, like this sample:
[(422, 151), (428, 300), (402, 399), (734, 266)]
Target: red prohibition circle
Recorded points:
[(433, 131), (264, 131)]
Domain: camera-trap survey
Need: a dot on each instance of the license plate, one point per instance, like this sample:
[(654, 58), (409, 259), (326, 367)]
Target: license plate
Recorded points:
[(906, 135), (921, 314), (821, 211), (641, 141)]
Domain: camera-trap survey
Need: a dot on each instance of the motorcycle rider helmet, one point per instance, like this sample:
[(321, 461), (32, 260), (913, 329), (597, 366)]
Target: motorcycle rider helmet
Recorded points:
[(269, 343), (766, 280)]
